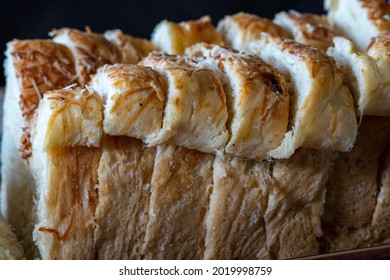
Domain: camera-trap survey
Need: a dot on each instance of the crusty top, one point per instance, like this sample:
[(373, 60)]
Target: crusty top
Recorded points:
[(173, 37), (307, 29), (251, 26), (133, 48), (378, 13), (201, 30), (40, 66), (310, 55), (90, 50), (380, 42)]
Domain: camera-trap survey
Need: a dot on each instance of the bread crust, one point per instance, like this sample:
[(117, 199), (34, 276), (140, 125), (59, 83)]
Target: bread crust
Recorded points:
[(353, 187), (240, 29), (133, 48), (181, 185), (90, 50), (125, 172), (173, 38), (308, 29)]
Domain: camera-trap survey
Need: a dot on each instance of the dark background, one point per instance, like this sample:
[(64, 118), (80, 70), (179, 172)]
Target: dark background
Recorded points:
[(34, 19)]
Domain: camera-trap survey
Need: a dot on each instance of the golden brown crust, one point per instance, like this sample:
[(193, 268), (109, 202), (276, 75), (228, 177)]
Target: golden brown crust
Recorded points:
[(40, 66), (315, 57), (240, 29), (382, 40), (308, 29), (128, 44), (253, 24), (91, 50), (378, 13), (201, 30), (173, 37)]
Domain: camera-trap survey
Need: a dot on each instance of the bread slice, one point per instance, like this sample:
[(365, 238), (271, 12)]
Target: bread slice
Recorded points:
[(235, 221), (352, 189), (180, 189), (195, 114), (10, 249), (134, 98), (90, 50), (307, 29), (240, 29), (380, 223), (359, 20), (65, 138), (133, 48), (32, 67), (296, 200), (173, 38), (257, 99), (125, 173), (322, 114), (368, 83)]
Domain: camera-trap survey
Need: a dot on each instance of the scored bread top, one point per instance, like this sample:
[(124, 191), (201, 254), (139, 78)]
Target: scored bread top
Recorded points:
[(257, 96), (308, 29), (91, 50), (240, 29), (322, 114), (134, 98), (68, 118), (173, 38), (195, 114)]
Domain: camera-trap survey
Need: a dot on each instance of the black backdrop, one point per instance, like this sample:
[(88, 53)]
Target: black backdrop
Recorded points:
[(34, 19)]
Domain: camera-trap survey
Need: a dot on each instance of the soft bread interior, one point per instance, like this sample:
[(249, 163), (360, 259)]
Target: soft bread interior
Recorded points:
[(134, 98)]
